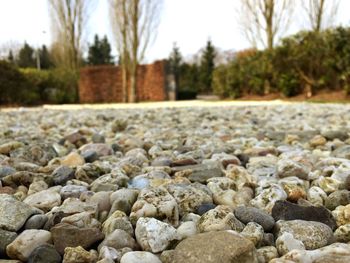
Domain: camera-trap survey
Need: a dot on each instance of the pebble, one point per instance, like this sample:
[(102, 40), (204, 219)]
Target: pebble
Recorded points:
[(45, 254), (154, 235), (252, 214), (227, 246), (284, 210), (220, 218), (313, 234), (26, 242), (139, 256)]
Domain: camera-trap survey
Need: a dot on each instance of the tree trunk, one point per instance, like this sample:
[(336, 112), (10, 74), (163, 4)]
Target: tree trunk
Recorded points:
[(319, 17), (133, 84), (135, 47), (269, 11), (124, 84)]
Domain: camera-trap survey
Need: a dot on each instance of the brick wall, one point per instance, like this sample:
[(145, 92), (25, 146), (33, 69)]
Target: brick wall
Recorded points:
[(104, 83)]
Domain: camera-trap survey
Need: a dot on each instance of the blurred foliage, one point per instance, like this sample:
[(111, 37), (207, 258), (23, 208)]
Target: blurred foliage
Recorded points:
[(31, 86), (14, 86), (303, 63)]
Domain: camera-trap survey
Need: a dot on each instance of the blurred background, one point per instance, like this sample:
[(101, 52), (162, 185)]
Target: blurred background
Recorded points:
[(71, 51)]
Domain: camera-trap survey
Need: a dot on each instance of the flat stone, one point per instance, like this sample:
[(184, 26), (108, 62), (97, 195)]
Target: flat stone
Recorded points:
[(227, 246), (13, 213), (101, 149), (284, 210), (65, 235), (199, 172), (44, 200), (252, 214)]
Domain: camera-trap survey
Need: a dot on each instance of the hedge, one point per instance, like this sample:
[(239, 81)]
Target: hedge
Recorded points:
[(31, 86)]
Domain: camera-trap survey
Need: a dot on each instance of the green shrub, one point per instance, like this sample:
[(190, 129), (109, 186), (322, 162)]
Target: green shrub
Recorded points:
[(14, 86), (53, 86), (225, 83), (64, 87), (289, 84)]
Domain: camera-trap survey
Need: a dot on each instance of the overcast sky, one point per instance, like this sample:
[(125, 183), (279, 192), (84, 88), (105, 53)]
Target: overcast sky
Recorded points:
[(188, 22)]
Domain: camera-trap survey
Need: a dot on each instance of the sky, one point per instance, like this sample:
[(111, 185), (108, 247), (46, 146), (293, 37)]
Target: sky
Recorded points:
[(189, 23)]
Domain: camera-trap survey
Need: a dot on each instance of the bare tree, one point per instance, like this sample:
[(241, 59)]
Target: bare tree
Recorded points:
[(320, 13), (120, 26), (69, 24), (134, 23), (263, 21)]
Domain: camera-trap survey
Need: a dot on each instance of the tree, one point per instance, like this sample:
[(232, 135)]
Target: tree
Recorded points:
[(26, 57), (69, 23), (10, 57), (320, 13), (175, 61), (134, 23), (262, 21), (207, 67), (189, 77), (100, 52), (45, 58)]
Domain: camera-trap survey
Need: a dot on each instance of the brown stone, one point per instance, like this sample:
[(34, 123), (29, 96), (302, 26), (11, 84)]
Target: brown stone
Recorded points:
[(216, 246), (66, 235)]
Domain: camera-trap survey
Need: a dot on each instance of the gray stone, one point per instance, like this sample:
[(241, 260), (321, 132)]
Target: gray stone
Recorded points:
[(6, 170), (199, 172), (36, 222), (335, 134), (13, 213), (252, 214), (45, 254), (284, 210), (6, 237), (62, 174)]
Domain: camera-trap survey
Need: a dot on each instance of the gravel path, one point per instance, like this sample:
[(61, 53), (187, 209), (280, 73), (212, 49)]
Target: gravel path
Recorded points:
[(193, 181)]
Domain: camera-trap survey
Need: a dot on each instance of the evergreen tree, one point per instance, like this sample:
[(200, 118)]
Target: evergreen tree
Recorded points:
[(26, 57), (100, 52), (189, 80), (106, 51), (45, 58), (11, 58), (175, 61), (207, 67)]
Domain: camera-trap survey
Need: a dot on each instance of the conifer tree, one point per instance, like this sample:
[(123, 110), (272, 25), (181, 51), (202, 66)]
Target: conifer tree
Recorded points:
[(207, 67)]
